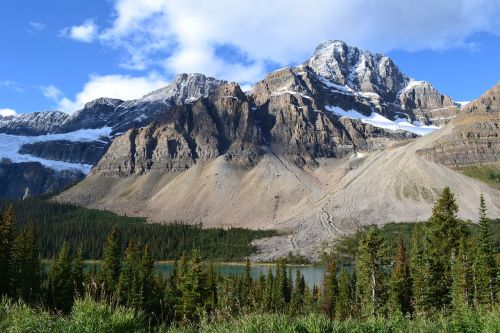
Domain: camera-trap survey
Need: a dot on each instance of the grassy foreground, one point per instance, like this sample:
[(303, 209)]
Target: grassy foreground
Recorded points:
[(91, 316)]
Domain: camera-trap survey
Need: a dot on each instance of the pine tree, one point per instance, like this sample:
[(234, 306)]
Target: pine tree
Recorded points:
[(77, 273), (370, 289), (111, 261), (60, 281), (485, 265), (282, 289), (461, 270), (268, 297), (129, 288), (26, 267), (401, 291), (246, 290), (441, 236), (193, 289), (343, 302), (417, 270), (330, 289), (298, 294), (6, 243), (147, 280)]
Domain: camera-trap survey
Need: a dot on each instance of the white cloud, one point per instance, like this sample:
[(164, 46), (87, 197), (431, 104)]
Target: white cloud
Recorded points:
[(183, 35), (86, 32), (51, 92), (113, 86), (7, 112), (36, 26)]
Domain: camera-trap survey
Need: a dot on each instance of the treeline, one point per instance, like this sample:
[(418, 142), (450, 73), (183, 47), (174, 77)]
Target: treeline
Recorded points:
[(87, 229), (446, 270)]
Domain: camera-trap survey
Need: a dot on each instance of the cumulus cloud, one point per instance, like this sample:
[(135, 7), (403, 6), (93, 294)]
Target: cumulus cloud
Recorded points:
[(113, 86), (186, 36), (85, 32), (7, 112)]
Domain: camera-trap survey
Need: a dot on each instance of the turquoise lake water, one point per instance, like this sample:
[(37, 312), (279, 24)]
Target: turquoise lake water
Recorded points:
[(313, 275)]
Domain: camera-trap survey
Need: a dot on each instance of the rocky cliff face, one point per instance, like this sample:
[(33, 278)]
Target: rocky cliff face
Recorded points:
[(18, 178), (67, 151), (228, 123), (474, 136)]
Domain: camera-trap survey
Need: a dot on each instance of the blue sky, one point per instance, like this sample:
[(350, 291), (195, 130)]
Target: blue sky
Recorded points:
[(60, 54)]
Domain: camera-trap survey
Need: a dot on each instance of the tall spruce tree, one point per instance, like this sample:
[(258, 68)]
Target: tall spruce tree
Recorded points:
[(370, 287), (401, 289), (246, 288), (343, 303), (485, 267), (298, 294), (417, 270), (193, 290), (60, 281), (111, 262), (77, 273), (461, 269), (282, 288), (442, 233), (26, 267), (7, 237), (329, 294), (129, 288)]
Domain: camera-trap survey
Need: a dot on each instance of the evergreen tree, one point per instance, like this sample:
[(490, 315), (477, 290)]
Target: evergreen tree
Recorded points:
[(282, 289), (442, 234), (26, 267), (7, 237), (417, 270), (330, 289), (129, 288), (77, 273), (193, 289), (485, 265), (246, 290), (60, 281), (343, 302), (268, 297), (147, 280), (111, 261), (461, 290), (370, 287), (297, 301), (401, 291)]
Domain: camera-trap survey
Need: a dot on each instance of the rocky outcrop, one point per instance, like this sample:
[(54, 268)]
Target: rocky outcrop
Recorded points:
[(474, 136), (67, 151), (426, 104), (16, 178), (221, 124)]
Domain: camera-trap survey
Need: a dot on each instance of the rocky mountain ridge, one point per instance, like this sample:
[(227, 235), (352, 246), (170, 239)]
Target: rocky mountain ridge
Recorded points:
[(287, 113)]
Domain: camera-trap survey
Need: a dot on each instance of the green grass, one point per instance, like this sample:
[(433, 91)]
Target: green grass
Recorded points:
[(91, 316), (488, 173)]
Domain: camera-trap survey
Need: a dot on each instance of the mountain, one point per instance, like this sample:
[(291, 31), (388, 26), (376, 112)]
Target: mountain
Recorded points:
[(315, 151), (73, 143), (474, 136)]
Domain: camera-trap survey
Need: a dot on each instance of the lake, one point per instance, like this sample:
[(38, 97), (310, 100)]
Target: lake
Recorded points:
[(313, 275)]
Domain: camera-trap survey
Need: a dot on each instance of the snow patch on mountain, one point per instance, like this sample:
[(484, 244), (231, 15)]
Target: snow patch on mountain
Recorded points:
[(377, 120), (10, 145)]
